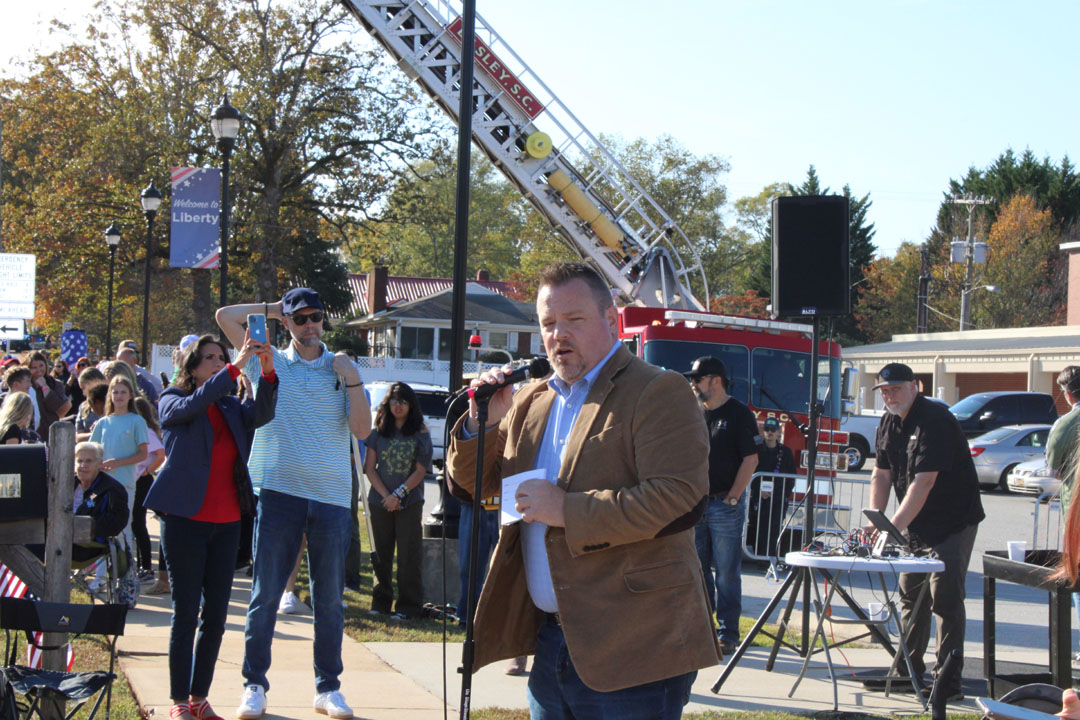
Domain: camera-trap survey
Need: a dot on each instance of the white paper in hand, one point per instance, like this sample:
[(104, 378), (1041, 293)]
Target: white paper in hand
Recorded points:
[(508, 514)]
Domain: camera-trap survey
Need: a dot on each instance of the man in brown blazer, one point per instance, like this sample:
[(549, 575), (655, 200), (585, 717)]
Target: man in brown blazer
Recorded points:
[(601, 580)]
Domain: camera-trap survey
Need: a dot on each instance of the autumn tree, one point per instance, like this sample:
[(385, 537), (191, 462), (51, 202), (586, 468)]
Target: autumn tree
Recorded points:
[(328, 126)]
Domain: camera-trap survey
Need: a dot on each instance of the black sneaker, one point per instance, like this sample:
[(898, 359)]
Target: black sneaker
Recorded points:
[(728, 648), (146, 576), (353, 585)]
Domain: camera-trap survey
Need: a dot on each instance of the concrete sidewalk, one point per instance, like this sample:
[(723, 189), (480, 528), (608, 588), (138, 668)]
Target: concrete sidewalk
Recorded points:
[(405, 680)]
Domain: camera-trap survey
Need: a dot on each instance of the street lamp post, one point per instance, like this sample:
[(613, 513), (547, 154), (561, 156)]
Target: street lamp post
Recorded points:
[(151, 200), (965, 303), (225, 124), (112, 237)]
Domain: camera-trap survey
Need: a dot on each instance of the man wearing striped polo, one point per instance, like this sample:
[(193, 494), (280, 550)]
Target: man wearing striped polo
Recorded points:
[(301, 470)]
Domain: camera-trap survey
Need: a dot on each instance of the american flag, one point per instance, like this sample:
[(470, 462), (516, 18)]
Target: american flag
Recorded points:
[(72, 347), (12, 586)]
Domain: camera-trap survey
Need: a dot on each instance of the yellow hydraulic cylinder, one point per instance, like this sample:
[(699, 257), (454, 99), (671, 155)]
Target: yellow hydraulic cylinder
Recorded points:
[(583, 207)]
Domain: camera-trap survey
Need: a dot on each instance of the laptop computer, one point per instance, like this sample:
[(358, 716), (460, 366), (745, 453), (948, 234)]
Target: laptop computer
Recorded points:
[(888, 534)]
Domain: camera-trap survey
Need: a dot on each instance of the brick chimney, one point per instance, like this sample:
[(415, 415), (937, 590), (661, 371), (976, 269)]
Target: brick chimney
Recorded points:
[(482, 275), (376, 289), (1072, 305)]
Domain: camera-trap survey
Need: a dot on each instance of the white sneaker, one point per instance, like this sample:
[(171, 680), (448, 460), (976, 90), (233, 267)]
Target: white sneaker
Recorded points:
[(332, 704), (290, 604), (252, 703)]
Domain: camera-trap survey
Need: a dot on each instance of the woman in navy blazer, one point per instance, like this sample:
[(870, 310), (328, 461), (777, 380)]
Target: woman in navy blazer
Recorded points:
[(201, 493)]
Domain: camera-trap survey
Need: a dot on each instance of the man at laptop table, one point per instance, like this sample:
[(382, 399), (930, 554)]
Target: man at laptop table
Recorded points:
[(923, 455)]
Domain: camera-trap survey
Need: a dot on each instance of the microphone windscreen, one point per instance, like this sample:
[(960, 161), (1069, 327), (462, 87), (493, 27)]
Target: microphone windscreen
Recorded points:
[(539, 367)]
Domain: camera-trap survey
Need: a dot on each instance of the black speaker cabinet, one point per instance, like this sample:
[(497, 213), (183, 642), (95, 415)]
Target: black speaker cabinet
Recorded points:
[(810, 269)]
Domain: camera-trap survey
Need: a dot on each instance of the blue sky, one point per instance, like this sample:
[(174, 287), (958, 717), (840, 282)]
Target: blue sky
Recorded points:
[(893, 97)]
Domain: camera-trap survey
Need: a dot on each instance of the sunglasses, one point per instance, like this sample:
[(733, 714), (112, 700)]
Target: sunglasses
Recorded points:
[(314, 317), (397, 401)]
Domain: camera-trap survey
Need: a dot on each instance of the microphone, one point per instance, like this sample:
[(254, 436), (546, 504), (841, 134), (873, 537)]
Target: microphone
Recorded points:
[(538, 368)]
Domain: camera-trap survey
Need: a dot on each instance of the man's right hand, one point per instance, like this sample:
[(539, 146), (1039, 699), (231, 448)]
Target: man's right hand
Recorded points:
[(498, 404)]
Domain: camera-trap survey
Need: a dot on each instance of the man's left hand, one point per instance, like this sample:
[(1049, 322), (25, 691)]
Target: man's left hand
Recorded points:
[(344, 367), (540, 500)]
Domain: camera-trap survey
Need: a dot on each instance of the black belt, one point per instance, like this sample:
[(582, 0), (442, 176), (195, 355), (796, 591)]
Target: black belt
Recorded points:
[(553, 618)]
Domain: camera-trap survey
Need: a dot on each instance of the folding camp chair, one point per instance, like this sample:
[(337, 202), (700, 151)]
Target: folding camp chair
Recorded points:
[(31, 616)]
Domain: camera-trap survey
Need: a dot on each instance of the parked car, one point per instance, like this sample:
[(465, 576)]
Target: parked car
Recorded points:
[(432, 404), (997, 452), (1034, 478), (983, 412)]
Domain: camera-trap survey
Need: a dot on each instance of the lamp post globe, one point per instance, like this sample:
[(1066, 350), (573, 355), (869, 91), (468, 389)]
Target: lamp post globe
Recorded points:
[(225, 125), (112, 238), (150, 199)]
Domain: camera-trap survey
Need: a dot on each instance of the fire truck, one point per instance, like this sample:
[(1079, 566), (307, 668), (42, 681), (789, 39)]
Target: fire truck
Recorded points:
[(605, 216)]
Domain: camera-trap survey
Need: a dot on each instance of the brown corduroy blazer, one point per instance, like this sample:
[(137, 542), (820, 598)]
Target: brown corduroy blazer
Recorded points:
[(627, 578)]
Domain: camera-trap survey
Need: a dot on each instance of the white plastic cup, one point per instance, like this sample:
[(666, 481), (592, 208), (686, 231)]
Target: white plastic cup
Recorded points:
[(876, 611), (1017, 548)]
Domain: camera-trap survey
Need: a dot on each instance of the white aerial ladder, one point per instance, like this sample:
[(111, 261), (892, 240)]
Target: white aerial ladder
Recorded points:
[(575, 183)]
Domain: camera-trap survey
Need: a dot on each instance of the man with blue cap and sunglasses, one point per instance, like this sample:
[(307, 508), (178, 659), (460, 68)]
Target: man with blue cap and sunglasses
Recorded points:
[(301, 470)]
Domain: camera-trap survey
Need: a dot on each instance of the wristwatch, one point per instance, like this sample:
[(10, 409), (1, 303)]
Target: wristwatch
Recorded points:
[(732, 500)]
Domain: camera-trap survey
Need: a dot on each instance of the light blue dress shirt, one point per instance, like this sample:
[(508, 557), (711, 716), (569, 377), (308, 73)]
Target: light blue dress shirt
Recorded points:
[(569, 399)]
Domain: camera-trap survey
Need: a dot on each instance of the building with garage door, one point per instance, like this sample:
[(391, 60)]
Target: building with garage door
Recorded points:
[(953, 365)]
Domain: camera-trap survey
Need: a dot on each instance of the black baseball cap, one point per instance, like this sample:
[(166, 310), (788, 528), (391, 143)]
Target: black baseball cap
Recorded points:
[(300, 299), (707, 365), (894, 374)]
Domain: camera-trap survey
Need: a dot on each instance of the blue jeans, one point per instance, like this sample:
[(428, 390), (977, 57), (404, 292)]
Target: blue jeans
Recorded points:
[(489, 536), (280, 523), (557, 693), (201, 557), (718, 536)]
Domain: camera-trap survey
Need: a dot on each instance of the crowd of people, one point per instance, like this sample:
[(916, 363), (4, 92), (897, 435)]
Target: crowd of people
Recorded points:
[(636, 492)]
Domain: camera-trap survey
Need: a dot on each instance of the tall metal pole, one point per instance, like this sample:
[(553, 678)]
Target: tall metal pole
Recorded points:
[(461, 202), (809, 524), (146, 291), (108, 326), (226, 153), (457, 321)]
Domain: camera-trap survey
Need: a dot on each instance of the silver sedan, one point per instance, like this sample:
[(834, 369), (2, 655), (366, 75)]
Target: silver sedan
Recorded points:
[(997, 452)]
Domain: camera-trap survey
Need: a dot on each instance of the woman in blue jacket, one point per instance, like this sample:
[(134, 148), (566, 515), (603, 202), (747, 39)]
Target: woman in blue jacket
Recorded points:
[(201, 492)]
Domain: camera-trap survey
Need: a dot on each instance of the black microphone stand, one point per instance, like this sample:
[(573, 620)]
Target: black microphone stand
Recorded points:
[(467, 650)]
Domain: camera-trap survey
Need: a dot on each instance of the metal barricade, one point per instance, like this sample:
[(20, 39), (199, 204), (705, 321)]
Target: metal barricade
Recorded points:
[(1049, 525), (776, 516)]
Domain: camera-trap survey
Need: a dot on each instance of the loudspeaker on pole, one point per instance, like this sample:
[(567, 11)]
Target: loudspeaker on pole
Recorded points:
[(810, 268)]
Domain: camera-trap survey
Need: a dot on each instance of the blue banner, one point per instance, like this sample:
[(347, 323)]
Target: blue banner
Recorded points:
[(196, 197)]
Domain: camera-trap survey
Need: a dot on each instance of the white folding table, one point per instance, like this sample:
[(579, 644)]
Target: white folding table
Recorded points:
[(831, 568)]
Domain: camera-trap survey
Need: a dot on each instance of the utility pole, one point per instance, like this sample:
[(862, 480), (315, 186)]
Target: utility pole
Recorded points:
[(922, 314), (972, 202)]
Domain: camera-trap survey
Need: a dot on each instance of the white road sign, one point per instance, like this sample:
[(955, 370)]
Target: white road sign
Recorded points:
[(16, 309), (17, 275), (12, 329)]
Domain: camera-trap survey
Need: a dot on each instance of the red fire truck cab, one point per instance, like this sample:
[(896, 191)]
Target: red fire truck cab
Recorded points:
[(768, 364)]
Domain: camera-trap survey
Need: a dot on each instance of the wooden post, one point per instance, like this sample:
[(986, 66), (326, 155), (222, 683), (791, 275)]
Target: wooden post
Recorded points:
[(58, 549)]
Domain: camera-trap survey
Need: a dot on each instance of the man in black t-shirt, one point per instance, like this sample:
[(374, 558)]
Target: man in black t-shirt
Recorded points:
[(923, 455), (733, 441)]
